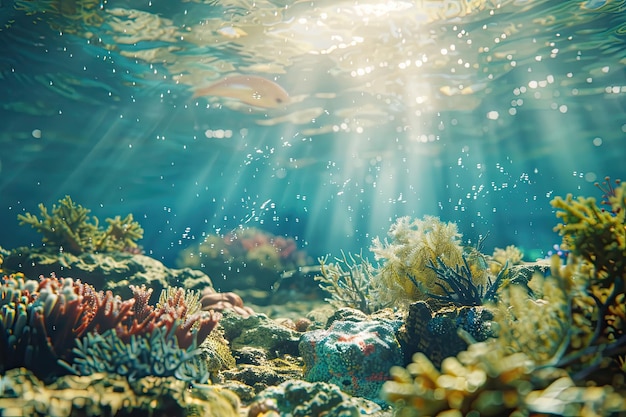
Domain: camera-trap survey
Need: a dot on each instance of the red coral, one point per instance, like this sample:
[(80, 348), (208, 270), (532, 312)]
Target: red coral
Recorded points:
[(71, 309)]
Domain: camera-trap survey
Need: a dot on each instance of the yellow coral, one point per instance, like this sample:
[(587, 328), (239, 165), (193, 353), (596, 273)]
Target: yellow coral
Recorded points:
[(598, 235), (485, 380), (511, 254), (404, 260)]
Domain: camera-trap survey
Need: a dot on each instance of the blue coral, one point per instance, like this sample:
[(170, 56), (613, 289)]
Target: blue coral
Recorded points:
[(156, 354), (356, 356)]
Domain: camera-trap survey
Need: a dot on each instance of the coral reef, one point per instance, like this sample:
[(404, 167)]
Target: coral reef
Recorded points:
[(571, 321), (3, 253), (259, 331), (405, 258), (511, 255), (55, 325), (246, 258), (70, 229), (354, 355), (257, 371), (108, 395), (301, 399), (485, 380)]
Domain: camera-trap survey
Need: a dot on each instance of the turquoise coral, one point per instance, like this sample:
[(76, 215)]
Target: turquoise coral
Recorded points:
[(356, 356), (69, 228)]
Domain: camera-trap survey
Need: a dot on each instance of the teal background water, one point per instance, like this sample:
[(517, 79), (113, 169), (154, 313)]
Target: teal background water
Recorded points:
[(479, 112)]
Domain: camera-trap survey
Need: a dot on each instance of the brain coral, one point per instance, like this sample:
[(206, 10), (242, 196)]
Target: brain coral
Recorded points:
[(355, 356)]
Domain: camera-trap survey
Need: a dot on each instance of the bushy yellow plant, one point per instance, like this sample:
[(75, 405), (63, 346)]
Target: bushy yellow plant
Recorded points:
[(404, 274)]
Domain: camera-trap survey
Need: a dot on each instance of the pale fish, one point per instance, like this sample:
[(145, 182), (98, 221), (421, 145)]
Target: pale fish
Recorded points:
[(249, 89)]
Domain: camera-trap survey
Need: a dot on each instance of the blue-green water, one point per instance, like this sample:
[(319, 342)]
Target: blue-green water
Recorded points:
[(479, 112)]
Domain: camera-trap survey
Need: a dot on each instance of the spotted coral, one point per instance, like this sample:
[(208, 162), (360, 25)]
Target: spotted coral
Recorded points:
[(353, 355), (69, 228)]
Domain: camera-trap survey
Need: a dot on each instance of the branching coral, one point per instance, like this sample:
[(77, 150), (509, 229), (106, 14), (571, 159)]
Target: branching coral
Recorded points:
[(595, 234), (348, 280), (69, 228), (511, 255), (571, 322), (413, 244), (156, 353)]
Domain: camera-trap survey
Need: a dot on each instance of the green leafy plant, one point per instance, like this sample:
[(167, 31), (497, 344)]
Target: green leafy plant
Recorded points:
[(70, 228)]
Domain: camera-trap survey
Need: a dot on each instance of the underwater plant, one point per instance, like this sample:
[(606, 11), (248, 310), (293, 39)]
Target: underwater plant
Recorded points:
[(412, 245), (568, 321), (49, 324), (348, 281), (459, 286), (69, 228), (419, 259)]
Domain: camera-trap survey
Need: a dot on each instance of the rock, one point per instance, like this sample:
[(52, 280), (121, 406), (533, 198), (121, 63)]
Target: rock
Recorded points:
[(22, 394), (302, 399), (260, 331), (105, 271), (354, 355)]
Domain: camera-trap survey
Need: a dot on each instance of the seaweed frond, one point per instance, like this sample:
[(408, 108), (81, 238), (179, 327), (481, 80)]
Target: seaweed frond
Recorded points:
[(459, 286)]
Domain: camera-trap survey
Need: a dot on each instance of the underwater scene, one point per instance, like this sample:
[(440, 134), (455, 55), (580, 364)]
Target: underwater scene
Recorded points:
[(312, 208)]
